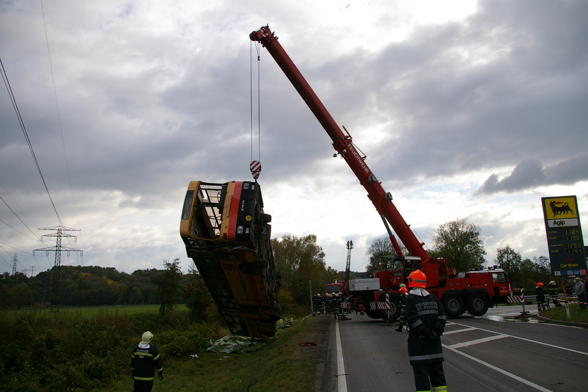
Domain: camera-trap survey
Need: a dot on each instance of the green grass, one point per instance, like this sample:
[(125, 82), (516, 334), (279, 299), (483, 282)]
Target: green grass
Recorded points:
[(92, 311), (282, 365), (576, 314)]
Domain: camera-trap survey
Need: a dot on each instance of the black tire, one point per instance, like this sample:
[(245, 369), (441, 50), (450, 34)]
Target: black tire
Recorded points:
[(394, 309), (454, 305), (375, 314), (477, 304)]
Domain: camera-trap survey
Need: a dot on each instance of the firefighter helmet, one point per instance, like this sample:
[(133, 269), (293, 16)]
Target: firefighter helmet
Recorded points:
[(147, 337), (417, 279), (402, 285), (539, 284)]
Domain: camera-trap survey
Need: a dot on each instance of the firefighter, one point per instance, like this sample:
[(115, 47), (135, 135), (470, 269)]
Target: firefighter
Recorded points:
[(425, 318), (402, 317), (145, 360), (540, 297), (553, 293)]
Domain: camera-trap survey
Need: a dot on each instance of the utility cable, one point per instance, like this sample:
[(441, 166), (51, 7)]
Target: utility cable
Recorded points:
[(15, 214), (26, 135), (57, 108)]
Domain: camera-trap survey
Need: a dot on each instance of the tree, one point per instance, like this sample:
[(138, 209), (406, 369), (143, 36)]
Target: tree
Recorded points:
[(299, 260), (459, 241), (329, 276), (510, 261), (198, 298), (169, 288), (532, 271), (16, 296), (382, 255)]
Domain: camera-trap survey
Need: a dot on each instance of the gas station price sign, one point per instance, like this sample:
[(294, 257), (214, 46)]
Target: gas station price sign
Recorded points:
[(564, 236)]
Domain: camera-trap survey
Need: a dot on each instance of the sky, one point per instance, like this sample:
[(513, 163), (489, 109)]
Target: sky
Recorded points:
[(465, 109)]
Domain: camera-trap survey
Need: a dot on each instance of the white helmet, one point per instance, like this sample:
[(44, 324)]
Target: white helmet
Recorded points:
[(147, 337)]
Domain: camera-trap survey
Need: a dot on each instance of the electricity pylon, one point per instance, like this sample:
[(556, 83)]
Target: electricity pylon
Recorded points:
[(56, 281)]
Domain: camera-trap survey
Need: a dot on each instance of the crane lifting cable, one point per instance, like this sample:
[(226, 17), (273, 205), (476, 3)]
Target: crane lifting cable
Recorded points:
[(255, 165), (228, 235)]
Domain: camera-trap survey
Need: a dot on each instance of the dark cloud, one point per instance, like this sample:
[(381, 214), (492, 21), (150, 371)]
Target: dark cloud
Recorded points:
[(505, 86), (531, 174), (151, 97)]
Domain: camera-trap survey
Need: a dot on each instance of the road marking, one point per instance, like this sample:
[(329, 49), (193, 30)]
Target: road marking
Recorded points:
[(454, 348), (477, 341), (529, 340), (460, 330), (341, 376), (524, 381)]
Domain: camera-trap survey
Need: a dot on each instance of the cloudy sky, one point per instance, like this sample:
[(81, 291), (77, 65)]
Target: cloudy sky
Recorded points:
[(465, 109)]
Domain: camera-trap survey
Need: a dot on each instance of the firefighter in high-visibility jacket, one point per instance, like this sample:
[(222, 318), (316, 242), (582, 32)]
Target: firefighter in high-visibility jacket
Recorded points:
[(425, 319), (145, 360)]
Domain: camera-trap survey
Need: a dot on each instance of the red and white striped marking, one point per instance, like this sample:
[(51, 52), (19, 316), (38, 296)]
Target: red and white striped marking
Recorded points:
[(515, 298), (255, 167), (377, 305)]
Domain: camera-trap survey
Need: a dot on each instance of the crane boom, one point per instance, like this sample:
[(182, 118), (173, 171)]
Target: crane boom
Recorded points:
[(343, 144)]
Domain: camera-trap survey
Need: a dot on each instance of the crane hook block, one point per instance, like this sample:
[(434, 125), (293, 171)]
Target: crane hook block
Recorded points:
[(255, 167)]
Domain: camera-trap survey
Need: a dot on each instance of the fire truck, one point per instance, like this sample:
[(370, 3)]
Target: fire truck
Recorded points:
[(471, 291)]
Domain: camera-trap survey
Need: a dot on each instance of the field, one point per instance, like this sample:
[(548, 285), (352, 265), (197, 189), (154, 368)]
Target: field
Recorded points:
[(282, 365), (92, 311), (89, 349)]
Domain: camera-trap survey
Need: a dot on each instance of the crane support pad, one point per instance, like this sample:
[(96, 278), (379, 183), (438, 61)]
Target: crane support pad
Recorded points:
[(227, 234)]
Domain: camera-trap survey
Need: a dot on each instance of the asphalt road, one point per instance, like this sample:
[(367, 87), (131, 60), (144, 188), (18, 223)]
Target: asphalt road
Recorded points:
[(491, 353)]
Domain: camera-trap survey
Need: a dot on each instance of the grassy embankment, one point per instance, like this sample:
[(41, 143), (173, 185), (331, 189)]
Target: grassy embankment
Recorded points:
[(89, 349), (282, 365), (577, 315)]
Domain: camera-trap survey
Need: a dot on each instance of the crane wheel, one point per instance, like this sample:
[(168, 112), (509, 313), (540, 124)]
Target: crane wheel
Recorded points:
[(454, 305), (477, 304)]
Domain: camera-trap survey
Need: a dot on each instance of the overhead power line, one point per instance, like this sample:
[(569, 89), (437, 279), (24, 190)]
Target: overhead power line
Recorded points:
[(26, 135)]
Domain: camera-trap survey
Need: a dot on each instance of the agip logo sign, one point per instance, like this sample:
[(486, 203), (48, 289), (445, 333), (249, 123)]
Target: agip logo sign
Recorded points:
[(564, 236), (561, 211)]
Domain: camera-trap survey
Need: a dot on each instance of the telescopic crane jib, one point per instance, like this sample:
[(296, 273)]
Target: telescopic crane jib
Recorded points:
[(471, 290), (343, 144)]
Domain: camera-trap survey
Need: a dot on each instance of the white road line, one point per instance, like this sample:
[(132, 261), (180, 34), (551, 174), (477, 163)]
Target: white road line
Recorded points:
[(459, 330), (529, 340), (476, 341), (508, 374), (341, 376)]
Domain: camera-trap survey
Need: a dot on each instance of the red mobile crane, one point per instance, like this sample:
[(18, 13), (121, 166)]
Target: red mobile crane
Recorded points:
[(472, 290)]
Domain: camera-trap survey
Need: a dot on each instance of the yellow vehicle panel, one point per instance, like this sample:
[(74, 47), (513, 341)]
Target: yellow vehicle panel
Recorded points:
[(227, 235)]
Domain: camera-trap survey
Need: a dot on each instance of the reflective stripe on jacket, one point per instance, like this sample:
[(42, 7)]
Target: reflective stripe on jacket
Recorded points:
[(144, 363), (424, 314)]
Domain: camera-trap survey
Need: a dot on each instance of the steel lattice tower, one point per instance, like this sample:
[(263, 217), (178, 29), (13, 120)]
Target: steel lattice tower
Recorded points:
[(14, 261), (56, 281)]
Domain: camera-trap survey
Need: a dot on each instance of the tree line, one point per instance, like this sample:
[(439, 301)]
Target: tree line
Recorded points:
[(81, 286), (300, 260), (460, 242)]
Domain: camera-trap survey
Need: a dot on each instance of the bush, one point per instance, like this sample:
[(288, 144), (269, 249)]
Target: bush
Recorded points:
[(64, 351), (181, 344)]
